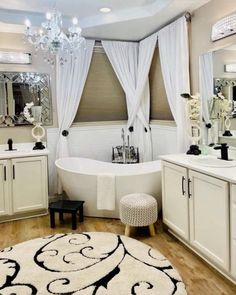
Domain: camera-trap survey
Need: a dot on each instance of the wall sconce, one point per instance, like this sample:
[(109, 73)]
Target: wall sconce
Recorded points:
[(231, 68), (224, 27), (14, 57)]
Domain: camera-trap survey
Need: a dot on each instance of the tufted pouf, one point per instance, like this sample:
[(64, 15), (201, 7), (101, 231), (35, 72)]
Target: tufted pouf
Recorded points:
[(138, 209)]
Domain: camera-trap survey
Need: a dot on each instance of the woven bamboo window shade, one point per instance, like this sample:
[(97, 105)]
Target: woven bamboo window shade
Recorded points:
[(103, 98)]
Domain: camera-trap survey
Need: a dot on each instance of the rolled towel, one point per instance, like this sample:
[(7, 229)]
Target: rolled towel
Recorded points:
[(106, 192)]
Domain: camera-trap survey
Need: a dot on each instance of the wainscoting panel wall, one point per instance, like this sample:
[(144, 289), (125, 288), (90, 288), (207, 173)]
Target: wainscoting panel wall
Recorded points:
[(164, 140), (96, 142)]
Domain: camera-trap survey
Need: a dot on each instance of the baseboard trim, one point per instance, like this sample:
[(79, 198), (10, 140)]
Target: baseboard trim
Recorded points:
[(20, 216)]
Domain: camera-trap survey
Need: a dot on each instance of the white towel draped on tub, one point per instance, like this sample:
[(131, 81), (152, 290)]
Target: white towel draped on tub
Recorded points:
[(106, 192)]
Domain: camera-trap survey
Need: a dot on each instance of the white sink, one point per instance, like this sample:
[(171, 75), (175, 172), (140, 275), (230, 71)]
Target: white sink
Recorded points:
[(213, 162)]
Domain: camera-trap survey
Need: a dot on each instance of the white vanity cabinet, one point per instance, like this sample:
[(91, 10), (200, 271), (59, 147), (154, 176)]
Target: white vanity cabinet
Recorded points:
[(23, 187), (233, 229), (209, 217), (175, 199), (196, 208), (29, 184)]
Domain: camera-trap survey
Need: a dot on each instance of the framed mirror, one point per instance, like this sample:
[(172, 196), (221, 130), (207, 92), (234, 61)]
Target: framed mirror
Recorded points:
[(225, 75), (19, 88), (217, 71)]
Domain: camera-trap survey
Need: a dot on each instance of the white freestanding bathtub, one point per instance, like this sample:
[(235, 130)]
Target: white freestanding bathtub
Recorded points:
[(79, 181)]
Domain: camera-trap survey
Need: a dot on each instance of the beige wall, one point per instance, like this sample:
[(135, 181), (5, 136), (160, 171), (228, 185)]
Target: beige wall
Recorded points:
[(15, 42), (200, 40)]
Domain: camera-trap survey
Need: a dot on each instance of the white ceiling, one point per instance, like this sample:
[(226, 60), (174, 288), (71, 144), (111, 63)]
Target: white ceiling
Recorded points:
[(128, 20)]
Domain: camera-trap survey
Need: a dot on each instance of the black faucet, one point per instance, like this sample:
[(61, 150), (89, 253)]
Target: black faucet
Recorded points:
[(224, 151), (10, 143)]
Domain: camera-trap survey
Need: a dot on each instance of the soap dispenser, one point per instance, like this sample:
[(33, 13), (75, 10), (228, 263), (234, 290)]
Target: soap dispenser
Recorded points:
[(10, 143)]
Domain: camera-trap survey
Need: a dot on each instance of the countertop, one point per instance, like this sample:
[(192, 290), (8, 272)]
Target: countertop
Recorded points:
[(228, 173), (21, 150)]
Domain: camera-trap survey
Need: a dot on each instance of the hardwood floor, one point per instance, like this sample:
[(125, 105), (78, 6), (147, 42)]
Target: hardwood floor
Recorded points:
[(199, 278)]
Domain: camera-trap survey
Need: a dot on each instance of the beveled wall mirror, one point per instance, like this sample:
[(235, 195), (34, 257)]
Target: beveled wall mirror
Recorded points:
[(19, 88)]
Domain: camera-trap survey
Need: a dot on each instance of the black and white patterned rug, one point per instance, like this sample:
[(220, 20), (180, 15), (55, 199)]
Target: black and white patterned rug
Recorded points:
[(85, 264)]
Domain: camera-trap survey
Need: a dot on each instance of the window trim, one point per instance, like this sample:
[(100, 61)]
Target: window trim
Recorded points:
[(124, 122)]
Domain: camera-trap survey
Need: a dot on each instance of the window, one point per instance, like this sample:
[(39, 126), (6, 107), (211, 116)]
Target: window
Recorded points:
[(159, 106), (103, 98)]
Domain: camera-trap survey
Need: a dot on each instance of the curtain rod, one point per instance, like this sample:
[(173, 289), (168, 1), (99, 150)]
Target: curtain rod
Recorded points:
[(187, 15), (109, 39), (188, 18)]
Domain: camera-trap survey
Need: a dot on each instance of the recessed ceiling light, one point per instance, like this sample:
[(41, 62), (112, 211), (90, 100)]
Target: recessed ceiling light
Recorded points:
[(105, 9)]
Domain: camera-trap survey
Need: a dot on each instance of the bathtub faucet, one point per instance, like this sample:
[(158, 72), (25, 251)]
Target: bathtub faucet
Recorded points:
[(123, 139)]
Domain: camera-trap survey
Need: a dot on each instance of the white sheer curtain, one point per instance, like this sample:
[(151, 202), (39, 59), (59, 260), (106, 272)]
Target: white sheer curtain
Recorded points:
[(70, 81), (174, 57), (123, 57), (206, 82), (206, 89), (131, 62), (142, 95)]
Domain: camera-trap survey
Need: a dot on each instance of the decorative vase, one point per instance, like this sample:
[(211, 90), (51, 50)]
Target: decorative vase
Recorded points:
[(193, 116), (38, 132), (227, 124)]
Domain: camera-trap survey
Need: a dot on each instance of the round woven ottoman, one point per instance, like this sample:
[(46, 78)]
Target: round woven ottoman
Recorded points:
[(138, 209)]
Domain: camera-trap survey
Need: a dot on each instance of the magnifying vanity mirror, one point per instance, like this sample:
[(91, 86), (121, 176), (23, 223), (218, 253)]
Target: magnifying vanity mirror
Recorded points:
[(20, 88)]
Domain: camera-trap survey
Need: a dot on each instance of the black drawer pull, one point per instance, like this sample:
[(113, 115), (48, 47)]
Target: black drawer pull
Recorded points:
[(189, 188), (5, 173), (183, 180), (13, 170)]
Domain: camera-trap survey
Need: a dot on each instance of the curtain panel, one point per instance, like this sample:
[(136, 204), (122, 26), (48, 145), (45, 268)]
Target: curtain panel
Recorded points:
[(206, 82), (174, 58), (70, 81), (131, 62)]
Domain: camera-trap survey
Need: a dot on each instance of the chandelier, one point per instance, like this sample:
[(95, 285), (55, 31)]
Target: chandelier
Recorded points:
[(52, 40)]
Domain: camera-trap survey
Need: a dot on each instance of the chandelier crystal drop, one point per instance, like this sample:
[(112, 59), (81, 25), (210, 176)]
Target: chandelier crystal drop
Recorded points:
[(52, 40)]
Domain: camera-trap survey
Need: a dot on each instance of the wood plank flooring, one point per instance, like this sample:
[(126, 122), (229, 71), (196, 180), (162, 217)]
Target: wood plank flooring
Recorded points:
[(199, 278)]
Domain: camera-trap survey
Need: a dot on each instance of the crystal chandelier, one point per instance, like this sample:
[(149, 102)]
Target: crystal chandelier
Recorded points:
[(52, 40)]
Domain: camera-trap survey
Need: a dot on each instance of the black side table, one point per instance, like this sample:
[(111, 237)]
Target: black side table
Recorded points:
[(66, 206)]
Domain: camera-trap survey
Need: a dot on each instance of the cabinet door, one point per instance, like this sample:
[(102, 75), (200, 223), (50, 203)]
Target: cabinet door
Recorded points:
[(4, 188), (175, 199), (233, 229), (209, 217), (29, 184)]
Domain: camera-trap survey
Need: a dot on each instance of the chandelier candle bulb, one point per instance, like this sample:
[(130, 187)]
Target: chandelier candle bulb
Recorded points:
[(27, 23), (75, 21), (48, 15)]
